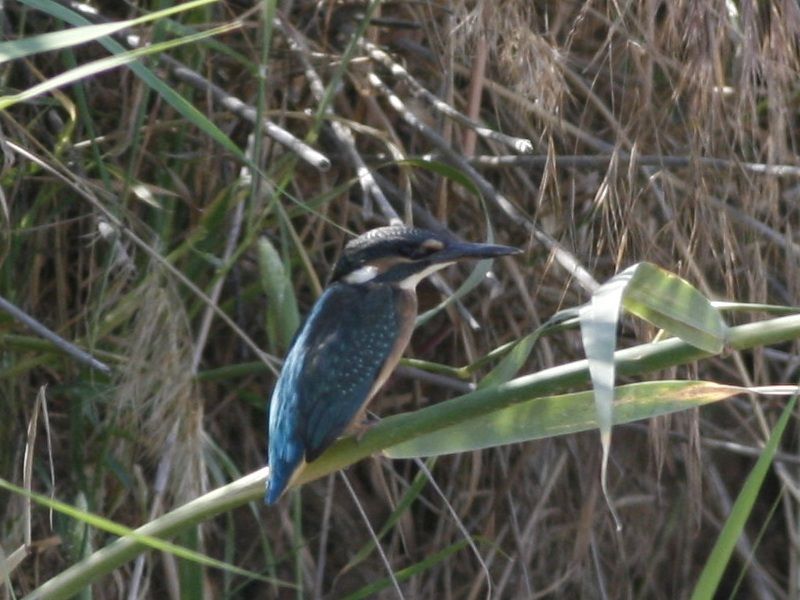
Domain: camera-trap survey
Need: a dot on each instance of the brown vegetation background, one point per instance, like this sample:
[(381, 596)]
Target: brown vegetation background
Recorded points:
[(661, 131)]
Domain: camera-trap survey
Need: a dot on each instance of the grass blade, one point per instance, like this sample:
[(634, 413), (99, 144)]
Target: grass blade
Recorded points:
[(57, 40), (559, 415), (707, 584), (122, 531), (104, 64)]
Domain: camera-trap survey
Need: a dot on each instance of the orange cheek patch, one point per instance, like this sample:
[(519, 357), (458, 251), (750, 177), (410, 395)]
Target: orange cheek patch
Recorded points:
[(433, 245)]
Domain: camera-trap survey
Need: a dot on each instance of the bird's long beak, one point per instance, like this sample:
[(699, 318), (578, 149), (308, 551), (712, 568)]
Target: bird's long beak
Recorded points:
[(465, 250)]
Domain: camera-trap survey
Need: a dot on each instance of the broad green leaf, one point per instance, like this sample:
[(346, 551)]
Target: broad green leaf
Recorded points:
[(672, 304), (398, 429), (68, 38), (657, 296), (716, 563), (558, 415), (283, 317), (598, 319)]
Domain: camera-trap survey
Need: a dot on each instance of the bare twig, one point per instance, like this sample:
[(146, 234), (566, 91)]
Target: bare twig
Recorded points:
[(59, 342), (602, 160), (522, 145), (563, 256), (223, 98), (343, 134), (248, 113), (83, 190), (462, 387)]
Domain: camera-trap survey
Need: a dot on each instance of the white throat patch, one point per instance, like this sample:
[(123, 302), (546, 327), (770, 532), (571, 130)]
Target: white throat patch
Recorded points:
[(410, 283), (362, 274)]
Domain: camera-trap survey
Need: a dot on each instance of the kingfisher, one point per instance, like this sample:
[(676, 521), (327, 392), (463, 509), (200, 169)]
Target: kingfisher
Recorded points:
[(352, 340)]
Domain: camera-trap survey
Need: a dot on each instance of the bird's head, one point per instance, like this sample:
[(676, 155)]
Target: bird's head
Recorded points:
[(403, 256)]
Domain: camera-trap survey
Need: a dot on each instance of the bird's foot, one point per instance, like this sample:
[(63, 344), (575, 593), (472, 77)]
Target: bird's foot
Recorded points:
[(363, 425)]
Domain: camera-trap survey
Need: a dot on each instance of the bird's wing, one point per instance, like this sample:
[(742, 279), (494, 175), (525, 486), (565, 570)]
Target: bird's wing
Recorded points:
[(348, 338)]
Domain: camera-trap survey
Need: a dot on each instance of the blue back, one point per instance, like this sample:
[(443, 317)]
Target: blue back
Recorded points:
[(328, 373)]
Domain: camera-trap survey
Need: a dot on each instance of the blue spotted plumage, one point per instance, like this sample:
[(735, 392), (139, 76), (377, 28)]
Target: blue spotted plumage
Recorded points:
[(328, 374), (352, 339)]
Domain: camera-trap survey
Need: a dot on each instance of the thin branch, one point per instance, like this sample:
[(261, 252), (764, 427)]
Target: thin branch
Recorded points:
[(248, 113), (602, 160), (451, 383), (85, 191), (223, 98), (521, 145), (343, 134), (59, 342), (565, 258)]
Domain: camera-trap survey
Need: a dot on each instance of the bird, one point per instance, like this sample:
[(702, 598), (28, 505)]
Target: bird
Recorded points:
[(352, 340)]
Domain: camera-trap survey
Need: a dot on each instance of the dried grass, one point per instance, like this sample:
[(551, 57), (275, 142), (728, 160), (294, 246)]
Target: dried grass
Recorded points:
[(690, 79)]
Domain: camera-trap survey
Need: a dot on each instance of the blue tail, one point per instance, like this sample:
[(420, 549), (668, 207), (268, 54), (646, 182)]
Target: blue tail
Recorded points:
[(274, 490), (276, 485), (283, 463)]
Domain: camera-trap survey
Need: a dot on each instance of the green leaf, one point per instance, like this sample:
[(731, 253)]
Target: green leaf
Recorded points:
[(670, 303), (173, 98), (443, 169), (372, 589), (397, 429), (154, 543), (68, 38), (104, 64), (598, 319), (661, 298), (512, 362), (723, 548), (283, 317), (558, 415)]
